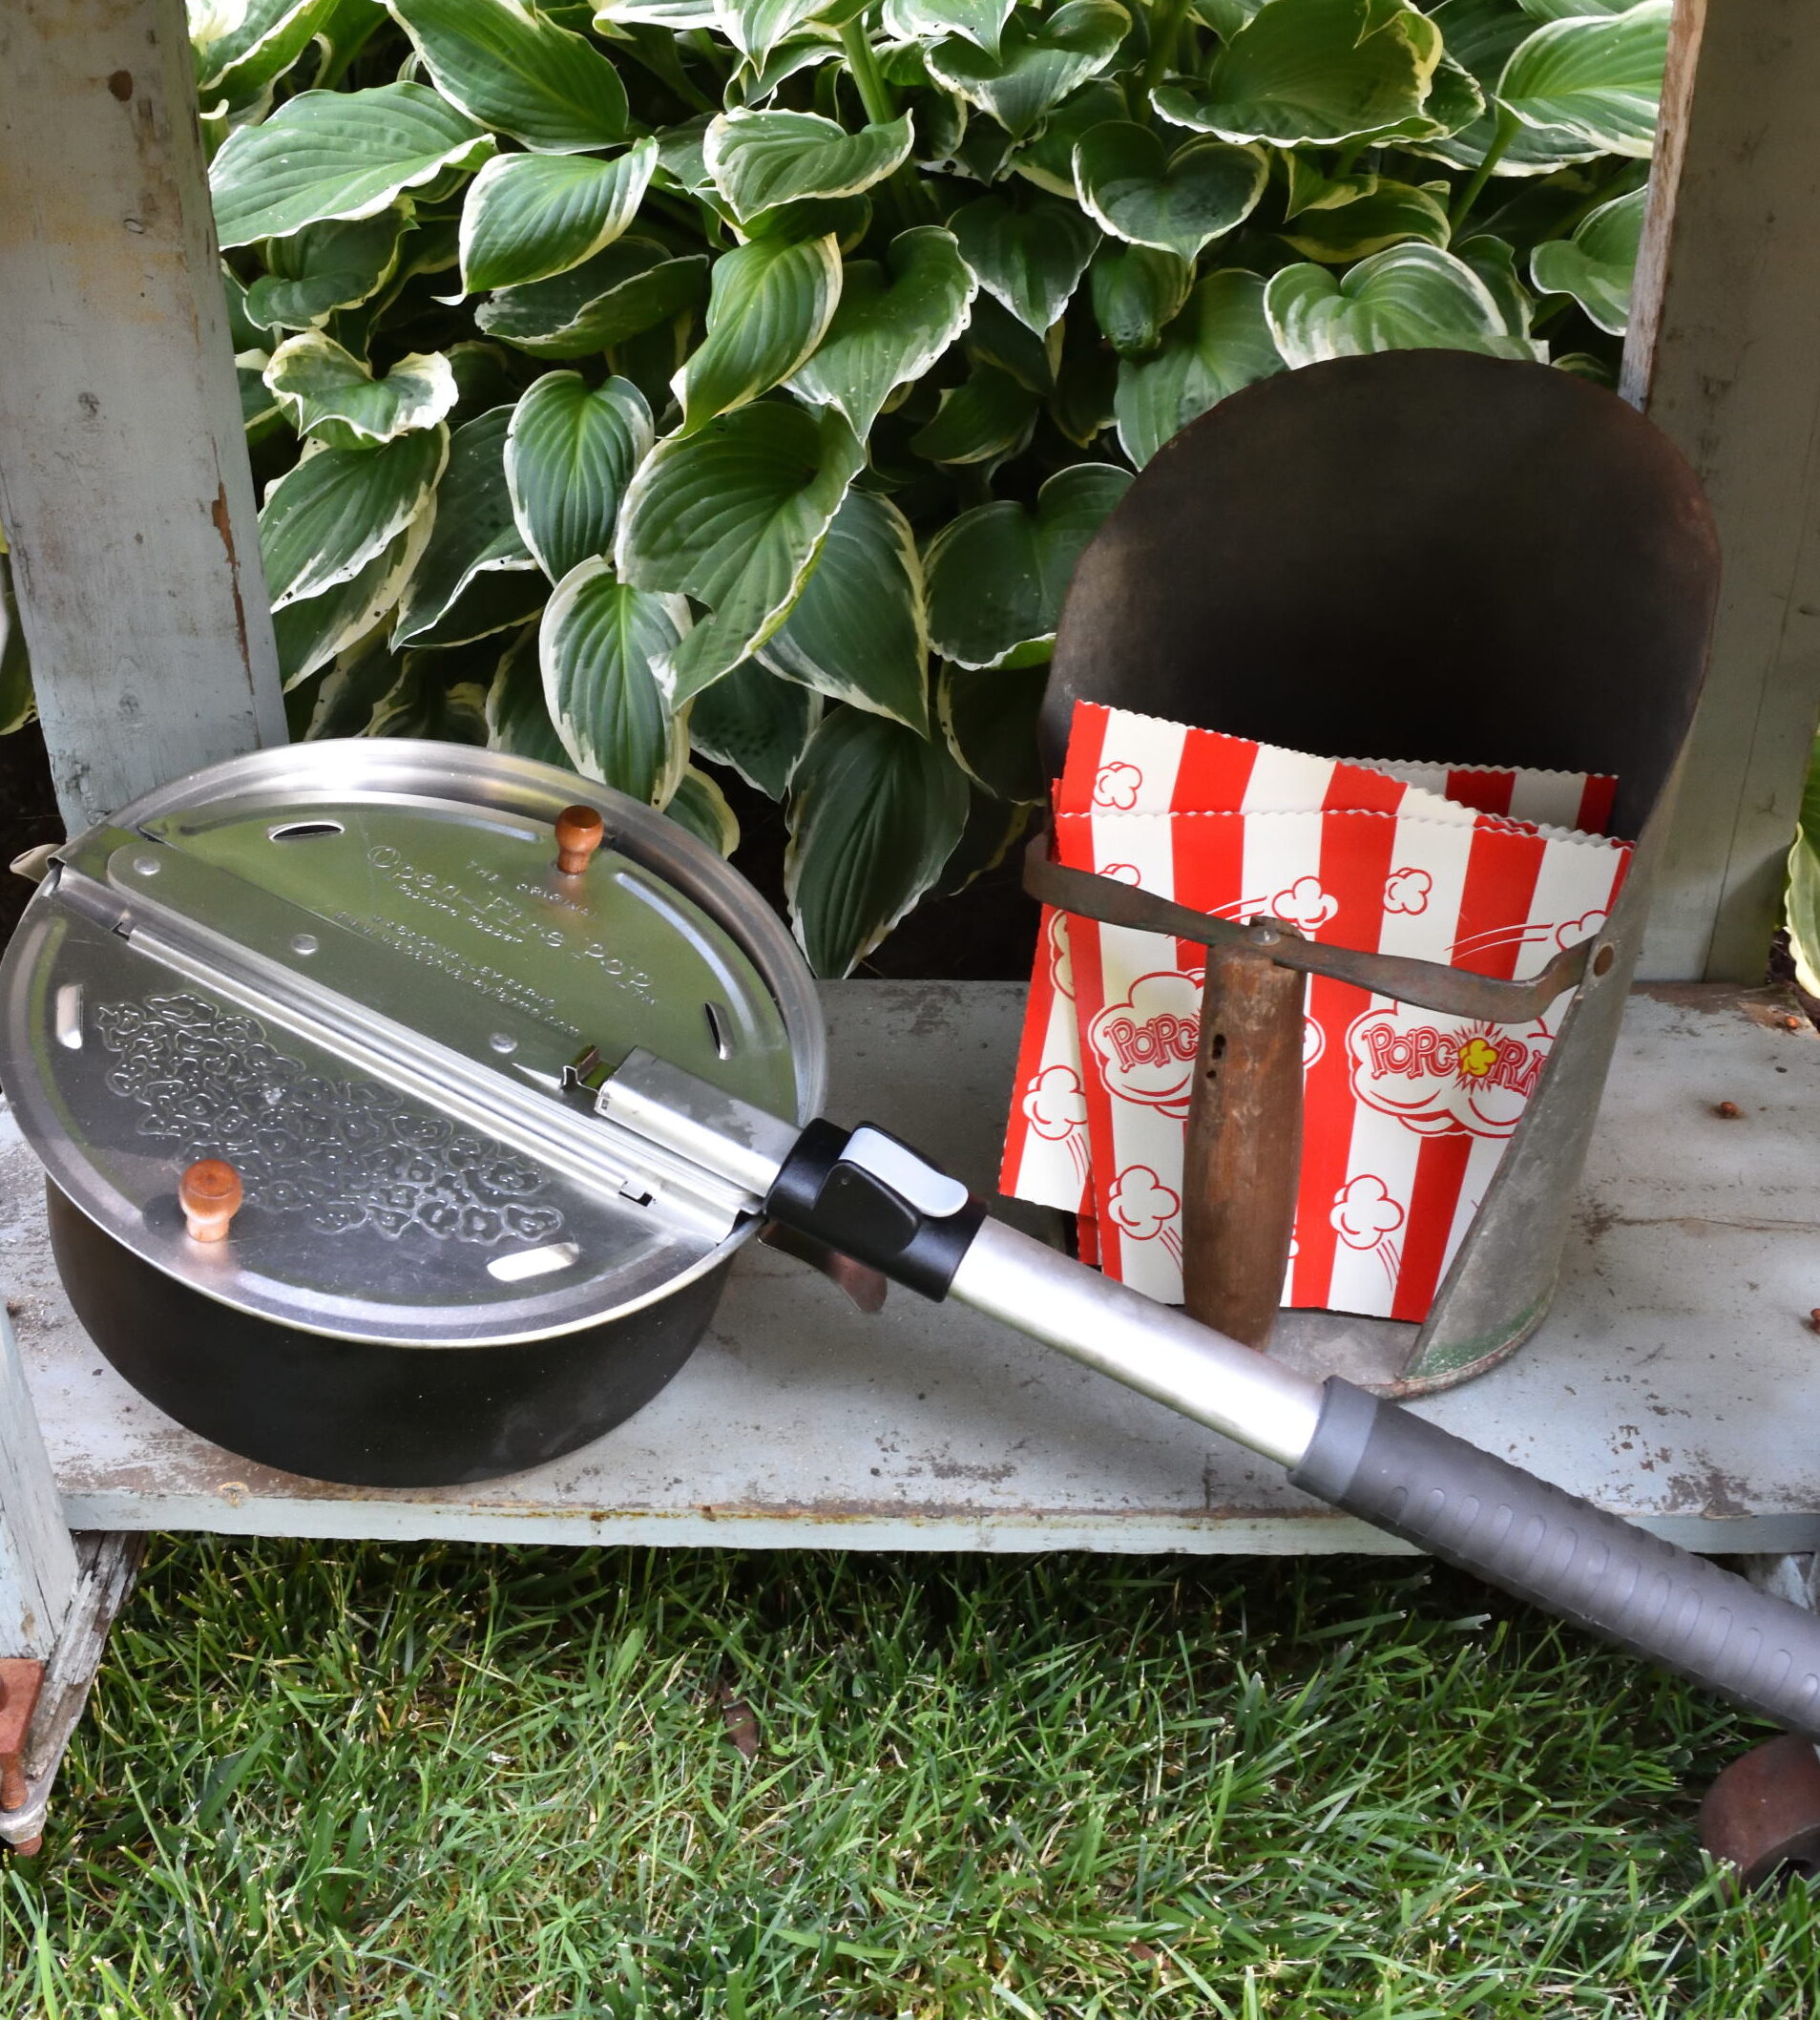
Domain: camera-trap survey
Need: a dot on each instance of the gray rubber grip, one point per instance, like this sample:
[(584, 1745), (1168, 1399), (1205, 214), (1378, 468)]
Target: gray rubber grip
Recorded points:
[(1483, 1514)]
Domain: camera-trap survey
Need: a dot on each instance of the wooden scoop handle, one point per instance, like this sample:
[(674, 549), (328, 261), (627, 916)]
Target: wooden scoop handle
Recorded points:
[(210, 1193), (579, 833), (1243, 1153)]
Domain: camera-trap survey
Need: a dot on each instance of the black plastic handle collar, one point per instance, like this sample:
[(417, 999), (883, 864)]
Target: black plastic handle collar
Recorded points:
[(855, 1211)]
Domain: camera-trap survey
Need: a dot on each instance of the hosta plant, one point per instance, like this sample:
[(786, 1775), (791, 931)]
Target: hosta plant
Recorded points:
[(691, 386)]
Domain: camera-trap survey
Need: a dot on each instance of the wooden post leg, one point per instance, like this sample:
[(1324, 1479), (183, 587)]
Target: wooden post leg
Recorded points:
[(1243, 1153)]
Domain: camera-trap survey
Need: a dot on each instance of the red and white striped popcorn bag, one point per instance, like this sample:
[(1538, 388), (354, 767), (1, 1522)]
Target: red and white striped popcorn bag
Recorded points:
[(1406, 1112)]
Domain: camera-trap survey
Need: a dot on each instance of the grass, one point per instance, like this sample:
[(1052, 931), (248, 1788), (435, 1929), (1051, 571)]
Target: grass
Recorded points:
[(351, 1780)]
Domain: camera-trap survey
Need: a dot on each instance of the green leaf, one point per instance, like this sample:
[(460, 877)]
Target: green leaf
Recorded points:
[(892, 323), (529, 216), (569, 453), (990, 416), (1410, 298), (859, 631), (314, 630), (755, 27), (989, 720), (998, 574), (1137, 292), (260, 411), (336, 154), (1595, 265), (756, 723), (1321, 71), (994, 336), (1039, 63), (1480, 36), (1176, 202), (755, 84), (1493, 261), (1221, 342), (875, 812), (1032, 260), (1567, 10), (1599, 77), (682, 15), (994, 828), (1803, 902), (629, 288), (980, 22), (758, 160), (598, 644), (699, 805), (328, 266), (474, 533), (1048, 160), (426, 703), (512, 68), (518, 716), (1393, 212), (734, 516), (237, 64), (351, 689), (325, 519), (770, 305), (495, 600), (16, 704), (329, 393)]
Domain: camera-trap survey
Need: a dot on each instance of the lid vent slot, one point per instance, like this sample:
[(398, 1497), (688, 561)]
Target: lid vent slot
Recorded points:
[(515, 1269), (718, 1031), (304, 830)]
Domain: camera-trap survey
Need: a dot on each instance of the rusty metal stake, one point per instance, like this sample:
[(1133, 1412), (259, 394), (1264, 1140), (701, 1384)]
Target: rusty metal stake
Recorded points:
[(21, 1679), (1244, 1151)]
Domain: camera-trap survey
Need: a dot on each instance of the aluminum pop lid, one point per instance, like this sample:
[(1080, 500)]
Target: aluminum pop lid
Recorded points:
[(355, 973)]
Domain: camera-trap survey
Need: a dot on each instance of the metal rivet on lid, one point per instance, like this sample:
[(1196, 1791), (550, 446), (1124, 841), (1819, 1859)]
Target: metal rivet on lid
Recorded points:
[(146, 865), (502, 1041), (305, 943)]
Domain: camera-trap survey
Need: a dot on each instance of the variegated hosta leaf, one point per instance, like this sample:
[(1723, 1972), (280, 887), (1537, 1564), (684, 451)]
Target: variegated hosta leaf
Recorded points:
[(570, 452), (529, 216), (328, 266), (682, 15), (260, 412), (327, 392), (429, 703), (994, 336), (1598, 75), (512, 68), (341, 699), (475, 533), (892, 323), (1393, 212), (755, 84), (756, 27), (598, 644), (1032, 260), (1048, 158), (1410, 298), (989, 724), (517, 715), (1803, 902), (991, 415), (1220, 344), (243, 48), (734, 516), (1310, 188), (337, 154), (875, 812), (325, 519), (1481, 35), (999, 573), (1567, 10), (16, 704), (316, 629), (1137, 293), (756, 723), (770, 304), (980, 22), (630, 287), (1323, 71), (1493, 261), (859, 631), (758, 160), (1136, 190), (699, 805), (994, 828), (1039, 61), (1595, 265)]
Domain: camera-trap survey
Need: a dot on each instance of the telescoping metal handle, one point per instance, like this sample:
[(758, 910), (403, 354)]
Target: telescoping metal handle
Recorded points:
[(873, 1198)]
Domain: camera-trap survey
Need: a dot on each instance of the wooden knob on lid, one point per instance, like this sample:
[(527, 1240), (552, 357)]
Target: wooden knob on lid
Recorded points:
[(579, 833), (210, 1193)]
